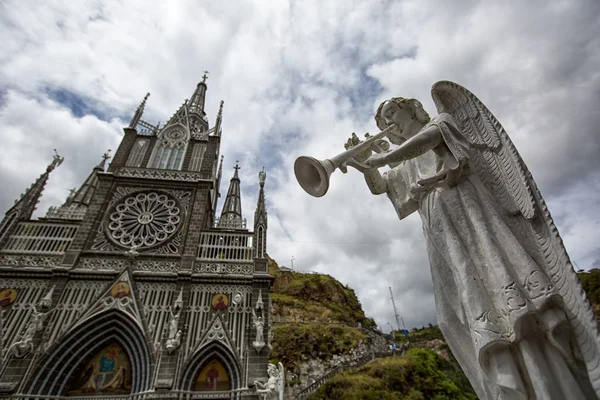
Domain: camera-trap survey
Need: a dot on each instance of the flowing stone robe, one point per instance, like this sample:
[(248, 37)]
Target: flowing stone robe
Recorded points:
[(497, 308)]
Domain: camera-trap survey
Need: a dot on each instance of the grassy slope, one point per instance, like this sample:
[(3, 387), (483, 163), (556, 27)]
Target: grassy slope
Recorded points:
[(317, 300), (591, 284), (420, 374), (314, 297)]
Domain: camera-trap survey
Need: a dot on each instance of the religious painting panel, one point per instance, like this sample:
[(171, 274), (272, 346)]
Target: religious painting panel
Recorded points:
[(108, 371), (220, 301), (213, 376), (7, 297), (120, 290)]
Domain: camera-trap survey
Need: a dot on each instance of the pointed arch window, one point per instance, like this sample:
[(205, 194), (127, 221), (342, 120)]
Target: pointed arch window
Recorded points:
[(197, 156), (137, 153), (170, 149)]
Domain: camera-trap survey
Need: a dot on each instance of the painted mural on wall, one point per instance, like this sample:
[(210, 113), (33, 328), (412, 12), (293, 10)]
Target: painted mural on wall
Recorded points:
[(220, 301), (120, 289), (7, 297), (212, 377), (109, 371)]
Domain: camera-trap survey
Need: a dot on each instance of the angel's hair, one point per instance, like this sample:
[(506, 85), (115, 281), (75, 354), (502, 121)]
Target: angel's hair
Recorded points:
[(413, 106)]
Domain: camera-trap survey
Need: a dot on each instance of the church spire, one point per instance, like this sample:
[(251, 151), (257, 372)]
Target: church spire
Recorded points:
[(27, 203), (219, 119), (196, 103), (231, 215), (219, 175), (260, 219), (138, 113), (78, 201)]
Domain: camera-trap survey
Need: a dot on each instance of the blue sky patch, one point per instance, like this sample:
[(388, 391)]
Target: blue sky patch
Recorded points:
[(79, 105)]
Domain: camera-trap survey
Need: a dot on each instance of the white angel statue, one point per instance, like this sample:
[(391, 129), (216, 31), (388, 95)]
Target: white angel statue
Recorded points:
[(274, 388), (508, 300)]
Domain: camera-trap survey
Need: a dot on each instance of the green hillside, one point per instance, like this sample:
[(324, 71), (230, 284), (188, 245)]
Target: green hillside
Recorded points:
[(420, 374), (298, 297), (316, 317)]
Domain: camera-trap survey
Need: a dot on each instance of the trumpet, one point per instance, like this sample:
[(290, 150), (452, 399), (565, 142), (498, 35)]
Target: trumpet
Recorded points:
[(313, 175)]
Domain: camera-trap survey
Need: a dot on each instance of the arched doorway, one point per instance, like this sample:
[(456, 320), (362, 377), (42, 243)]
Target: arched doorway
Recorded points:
[(107, 372), (86, 342), (214, 367), (213, 376)]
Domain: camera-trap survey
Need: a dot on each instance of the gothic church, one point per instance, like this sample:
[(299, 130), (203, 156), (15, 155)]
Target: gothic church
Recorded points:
[(133, 288)]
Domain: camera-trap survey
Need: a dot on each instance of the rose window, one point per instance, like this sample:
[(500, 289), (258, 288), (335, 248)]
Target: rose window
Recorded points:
[(144, 220)]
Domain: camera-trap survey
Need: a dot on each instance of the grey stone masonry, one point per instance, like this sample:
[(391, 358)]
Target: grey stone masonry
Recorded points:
[(128, 293)]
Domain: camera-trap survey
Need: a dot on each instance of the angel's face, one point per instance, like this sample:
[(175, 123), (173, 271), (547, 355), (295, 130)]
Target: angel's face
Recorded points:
[(393, 114)]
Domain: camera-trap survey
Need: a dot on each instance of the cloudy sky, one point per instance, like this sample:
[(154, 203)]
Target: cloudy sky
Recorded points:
[(297, 79)]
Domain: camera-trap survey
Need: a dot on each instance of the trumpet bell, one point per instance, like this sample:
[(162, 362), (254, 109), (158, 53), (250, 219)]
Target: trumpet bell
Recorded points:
[(313, 175)]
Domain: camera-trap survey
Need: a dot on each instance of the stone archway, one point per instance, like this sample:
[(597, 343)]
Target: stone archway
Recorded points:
[(206, 363), (89, 339)]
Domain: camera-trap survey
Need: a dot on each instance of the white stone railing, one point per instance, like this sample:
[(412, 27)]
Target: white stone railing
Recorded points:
[(230, 223), (238, 268), (225, 246), (166, 395), (38, 237), (66, 213), (143, 128)]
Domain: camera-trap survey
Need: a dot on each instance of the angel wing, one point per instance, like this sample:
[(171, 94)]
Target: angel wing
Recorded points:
[(505, 175), (281, 380), (497, 162)]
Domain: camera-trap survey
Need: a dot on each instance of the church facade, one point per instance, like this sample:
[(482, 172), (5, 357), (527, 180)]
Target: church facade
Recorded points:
[(134, 288)]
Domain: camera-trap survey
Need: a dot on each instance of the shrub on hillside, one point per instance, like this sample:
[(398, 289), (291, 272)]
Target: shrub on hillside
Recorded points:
[(419, 374)]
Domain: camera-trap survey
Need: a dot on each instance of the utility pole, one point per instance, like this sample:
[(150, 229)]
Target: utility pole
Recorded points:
[(396, 311), (293, 258)]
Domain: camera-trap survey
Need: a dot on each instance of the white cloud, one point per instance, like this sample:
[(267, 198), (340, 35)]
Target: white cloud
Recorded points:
[(297, 79)]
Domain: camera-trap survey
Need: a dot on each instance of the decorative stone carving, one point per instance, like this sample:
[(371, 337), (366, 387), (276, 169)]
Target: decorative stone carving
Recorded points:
[(198, 130), (25, 345), (270, 332), (132, 253), (30, 261), (163, 174), (259, 324), (216, 332), (120, 297), (144, 220), (508, 300), (151, 221), (238, 299), (274, 388), (223, 268), (98, 264), (222, 289), (174, 338)]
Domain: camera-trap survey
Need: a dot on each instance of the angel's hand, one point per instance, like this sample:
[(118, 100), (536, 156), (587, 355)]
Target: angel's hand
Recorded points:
[(362, 156), (377, 160)]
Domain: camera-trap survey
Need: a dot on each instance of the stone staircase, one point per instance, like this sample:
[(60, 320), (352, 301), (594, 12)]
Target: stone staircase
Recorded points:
[(376, 349)]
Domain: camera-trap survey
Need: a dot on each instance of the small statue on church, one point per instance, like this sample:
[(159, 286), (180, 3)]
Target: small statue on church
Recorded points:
[(259, 324), (24, 346), (173, 343), (174, 338), (274, 388)]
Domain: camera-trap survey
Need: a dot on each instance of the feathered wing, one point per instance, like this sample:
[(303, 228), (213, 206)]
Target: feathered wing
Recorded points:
[(503, 172), (281, 380)]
